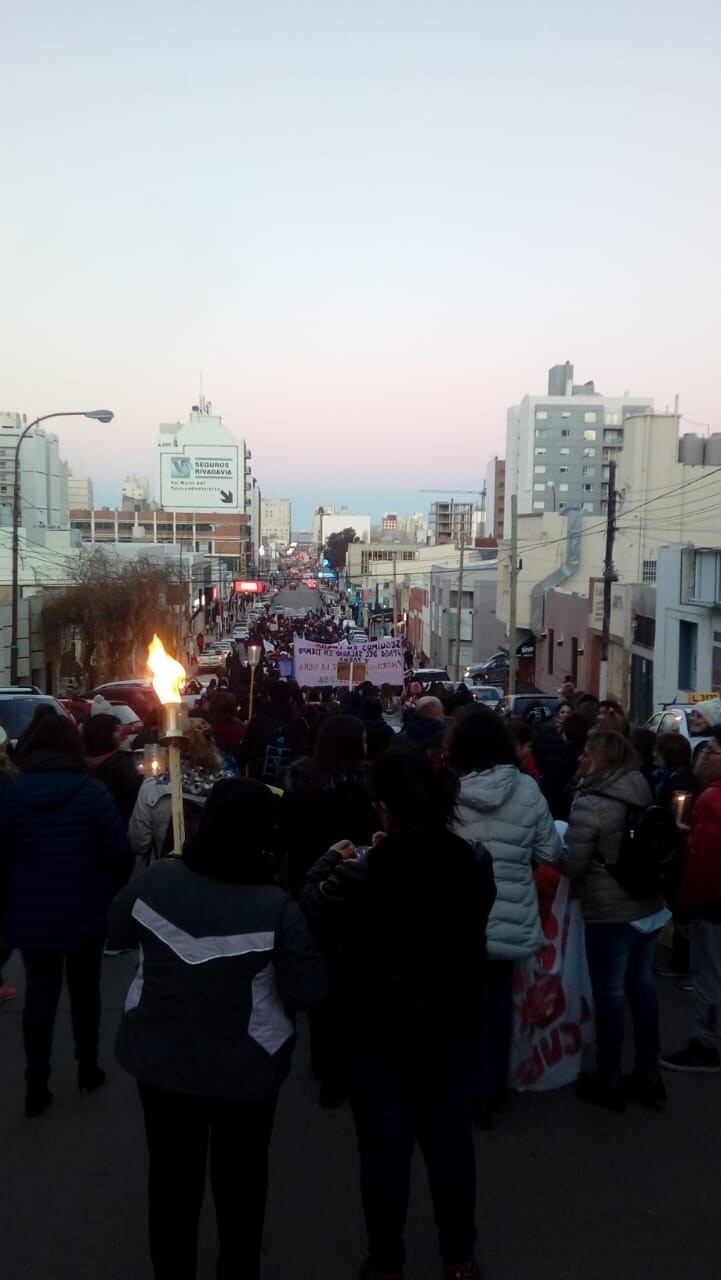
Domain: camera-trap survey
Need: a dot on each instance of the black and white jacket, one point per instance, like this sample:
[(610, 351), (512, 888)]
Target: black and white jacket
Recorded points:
[(222, 966)]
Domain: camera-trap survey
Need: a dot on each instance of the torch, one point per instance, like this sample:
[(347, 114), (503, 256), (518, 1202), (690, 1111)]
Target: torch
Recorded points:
[(254, 652), (168, 676)]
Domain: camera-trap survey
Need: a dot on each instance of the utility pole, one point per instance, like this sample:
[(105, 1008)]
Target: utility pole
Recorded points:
[(512, 609), (395, 594), (459, 600), (609, 577)]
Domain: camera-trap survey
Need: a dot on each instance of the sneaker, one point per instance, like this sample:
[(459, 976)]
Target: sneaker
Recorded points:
[(609, 1094), (462, 1270), (646, 1088), (90, 1078), (695, 1057), (7, 992)]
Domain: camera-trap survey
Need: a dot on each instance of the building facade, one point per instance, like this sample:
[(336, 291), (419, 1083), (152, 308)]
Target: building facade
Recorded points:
[(214, 534), (559, 446), (80, 493), (275, 520), (495, 497), (43, 476), (202, 466), (134, 495)]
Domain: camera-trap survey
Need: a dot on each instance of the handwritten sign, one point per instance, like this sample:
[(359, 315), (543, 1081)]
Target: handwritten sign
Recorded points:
[(328, 665)]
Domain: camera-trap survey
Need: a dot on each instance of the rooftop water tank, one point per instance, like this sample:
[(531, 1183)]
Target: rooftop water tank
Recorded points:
[(712, 452), (691, 449)]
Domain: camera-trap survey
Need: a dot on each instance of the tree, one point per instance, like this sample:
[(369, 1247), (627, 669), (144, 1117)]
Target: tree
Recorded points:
[(336, 547), (99, 625)]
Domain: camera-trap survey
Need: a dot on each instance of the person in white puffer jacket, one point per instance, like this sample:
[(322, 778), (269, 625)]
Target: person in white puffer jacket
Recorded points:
[(505, 810)]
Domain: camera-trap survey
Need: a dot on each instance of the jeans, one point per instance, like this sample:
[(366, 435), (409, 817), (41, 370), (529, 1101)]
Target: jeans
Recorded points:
[(400, 1097), (497, 1032), (620, 962), (705, 942), (180, 1129), (44, 974)]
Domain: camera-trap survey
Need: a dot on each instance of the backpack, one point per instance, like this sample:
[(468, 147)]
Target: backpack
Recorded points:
[(277, 757), (650, 858)]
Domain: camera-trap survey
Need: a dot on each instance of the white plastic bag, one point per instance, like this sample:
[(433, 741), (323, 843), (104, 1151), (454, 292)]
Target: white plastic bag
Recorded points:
[(552, 1005)]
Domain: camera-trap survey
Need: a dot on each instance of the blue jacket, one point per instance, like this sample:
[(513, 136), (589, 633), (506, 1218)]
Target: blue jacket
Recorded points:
[(63, 855)]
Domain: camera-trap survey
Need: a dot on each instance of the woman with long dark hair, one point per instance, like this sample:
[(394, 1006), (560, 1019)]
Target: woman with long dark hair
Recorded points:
[(225, 955), (409, 914), (621, 931), (326, 797)]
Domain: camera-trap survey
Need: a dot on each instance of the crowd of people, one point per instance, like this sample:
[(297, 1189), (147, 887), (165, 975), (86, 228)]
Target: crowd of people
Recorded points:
[(379, 863)]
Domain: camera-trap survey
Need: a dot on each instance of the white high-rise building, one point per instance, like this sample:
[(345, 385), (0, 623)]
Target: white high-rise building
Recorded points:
[(135, 494), (275, 520), (202, 465), (80, 493), (559, 445), (43, 476)]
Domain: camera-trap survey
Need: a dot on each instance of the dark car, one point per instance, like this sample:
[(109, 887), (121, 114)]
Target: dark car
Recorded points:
[(138, 694), (531, 707), (18, 706)]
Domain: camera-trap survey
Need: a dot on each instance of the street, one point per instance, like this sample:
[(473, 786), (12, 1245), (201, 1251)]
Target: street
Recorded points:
[(566, 1192)]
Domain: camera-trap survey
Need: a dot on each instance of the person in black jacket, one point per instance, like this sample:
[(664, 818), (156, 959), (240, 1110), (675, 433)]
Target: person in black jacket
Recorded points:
[(64, 854), (407, 918), (379, 734), (110, 764), (206, 1029)]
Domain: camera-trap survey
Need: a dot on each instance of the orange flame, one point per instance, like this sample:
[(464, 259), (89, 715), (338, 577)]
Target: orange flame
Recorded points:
[(168, 675)]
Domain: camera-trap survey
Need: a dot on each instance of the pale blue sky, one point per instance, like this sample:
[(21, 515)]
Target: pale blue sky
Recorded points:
[(373, 226)]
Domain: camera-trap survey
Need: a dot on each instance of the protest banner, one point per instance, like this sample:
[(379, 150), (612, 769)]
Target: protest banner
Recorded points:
[(328, 665)]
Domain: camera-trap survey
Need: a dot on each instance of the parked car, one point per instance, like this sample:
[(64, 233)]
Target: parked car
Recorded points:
[(677, 719), (130, 722), (428, 676), (212, 657), (241, 631), (136, 693), (489, 694), (491, 671), (18, 705), (529, 706)]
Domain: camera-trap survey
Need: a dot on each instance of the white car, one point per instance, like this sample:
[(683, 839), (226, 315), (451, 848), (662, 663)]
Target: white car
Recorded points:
[(678, 719), (241, 632), (212, 656)]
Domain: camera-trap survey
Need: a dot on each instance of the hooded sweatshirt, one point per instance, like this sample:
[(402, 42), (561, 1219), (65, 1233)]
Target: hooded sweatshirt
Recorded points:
[(505, 810), (64, 854), (595, 832)]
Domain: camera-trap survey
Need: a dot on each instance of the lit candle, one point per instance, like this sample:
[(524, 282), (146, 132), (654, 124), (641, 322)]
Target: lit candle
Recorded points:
[(679, 801)]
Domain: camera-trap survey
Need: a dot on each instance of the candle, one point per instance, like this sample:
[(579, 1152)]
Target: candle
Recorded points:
[(680, 803)]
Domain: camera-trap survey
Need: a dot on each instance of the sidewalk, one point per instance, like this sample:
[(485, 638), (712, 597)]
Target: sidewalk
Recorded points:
[(565, 1192)]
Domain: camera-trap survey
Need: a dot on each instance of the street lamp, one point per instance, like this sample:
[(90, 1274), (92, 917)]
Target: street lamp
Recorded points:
[(550, 485), (100, 415), (254, 654)]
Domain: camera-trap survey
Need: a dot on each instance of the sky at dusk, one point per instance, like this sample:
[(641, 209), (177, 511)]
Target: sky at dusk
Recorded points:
[(372, 226)]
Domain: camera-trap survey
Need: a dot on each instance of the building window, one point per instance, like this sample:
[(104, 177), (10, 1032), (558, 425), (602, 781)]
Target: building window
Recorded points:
[(588, 488), (687, 654), (589, 435), (563, 471), (566, 413), (589, 471), (565, 453), (539, 471), (540, 433), (588, 506), (541, 415), (590, 415), (539, 506), (565, 433), (648, 571), (539, 488), (540, 453), (551, 647), (644, 631), (612, 419), (563, 488), (589, 453)]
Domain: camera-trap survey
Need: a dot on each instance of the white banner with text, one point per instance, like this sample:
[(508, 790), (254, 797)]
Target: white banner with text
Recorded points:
[(327, 665)]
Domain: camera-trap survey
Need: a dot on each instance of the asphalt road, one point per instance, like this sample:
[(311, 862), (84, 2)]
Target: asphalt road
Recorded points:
[(301, 598), (565, 1192)]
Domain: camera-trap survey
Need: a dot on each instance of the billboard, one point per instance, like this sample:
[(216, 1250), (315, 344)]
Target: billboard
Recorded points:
[(250, 588), (201, 478)]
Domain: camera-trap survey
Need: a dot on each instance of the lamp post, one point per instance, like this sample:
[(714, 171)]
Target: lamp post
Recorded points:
[(100, 415), (254, 652)]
